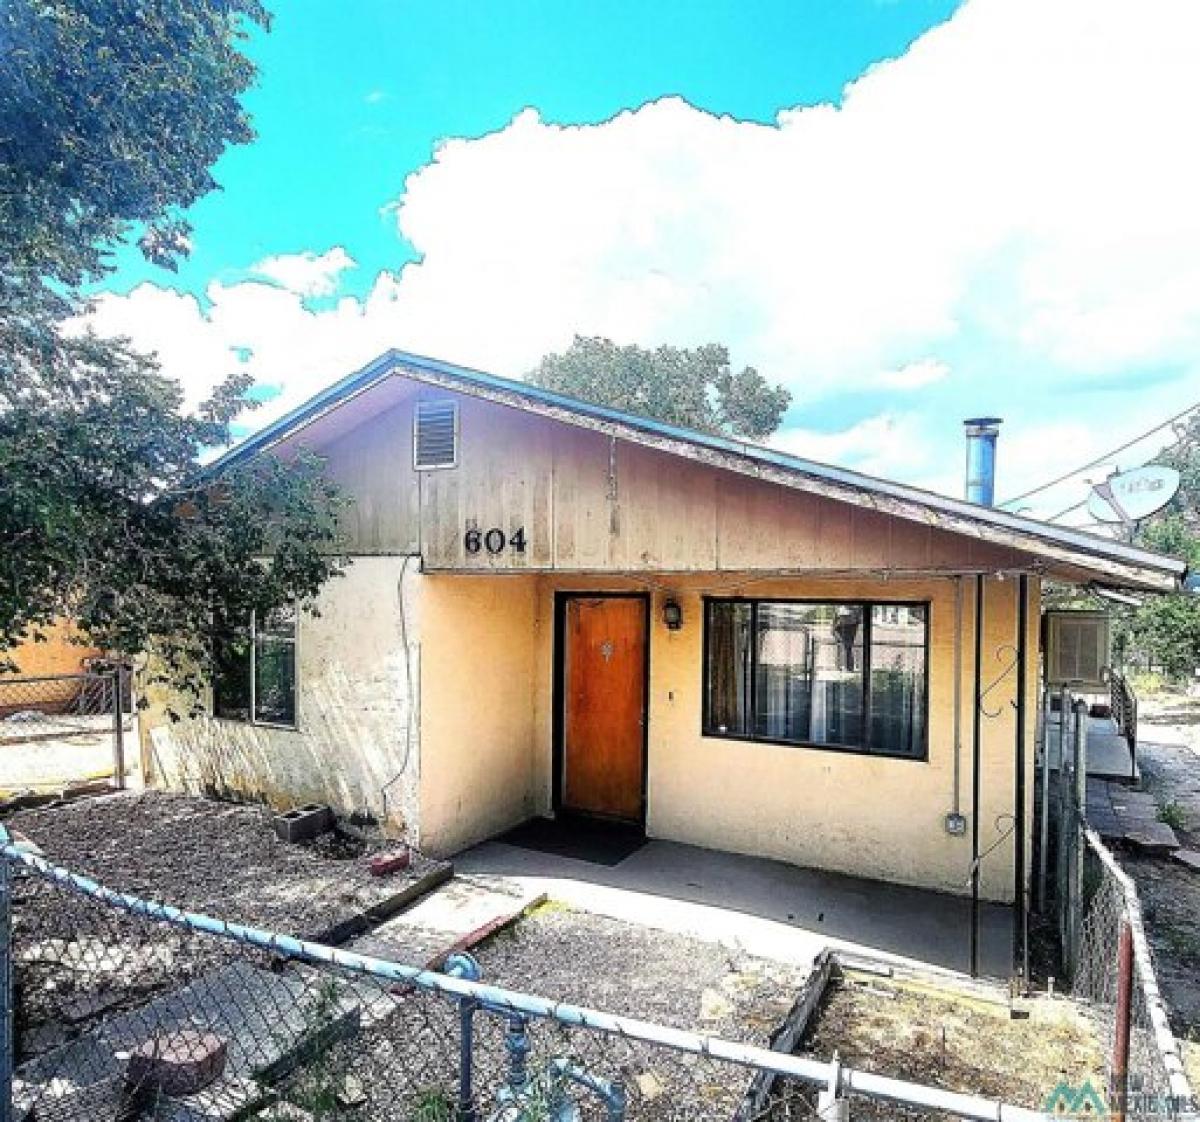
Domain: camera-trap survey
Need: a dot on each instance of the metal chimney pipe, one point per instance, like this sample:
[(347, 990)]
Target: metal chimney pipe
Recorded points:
[(981, 459)]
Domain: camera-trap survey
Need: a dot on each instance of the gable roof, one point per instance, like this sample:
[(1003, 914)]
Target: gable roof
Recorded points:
[(1109, 562)]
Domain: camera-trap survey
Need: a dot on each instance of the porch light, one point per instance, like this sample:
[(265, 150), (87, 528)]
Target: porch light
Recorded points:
[(672, 615)]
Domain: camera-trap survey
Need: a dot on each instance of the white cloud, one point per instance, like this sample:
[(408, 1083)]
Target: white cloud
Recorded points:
[(1013, 199), (880, 445), (307, 273), (914, 375)]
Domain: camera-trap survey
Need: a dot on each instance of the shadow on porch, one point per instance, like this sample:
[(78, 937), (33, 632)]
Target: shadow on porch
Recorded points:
[(762, 906)]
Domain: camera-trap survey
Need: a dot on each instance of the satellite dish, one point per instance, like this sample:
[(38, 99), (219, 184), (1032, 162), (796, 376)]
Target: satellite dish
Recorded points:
[(1132, 495)]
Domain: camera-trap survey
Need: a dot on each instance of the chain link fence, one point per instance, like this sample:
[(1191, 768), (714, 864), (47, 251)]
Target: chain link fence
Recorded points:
[(125, 1009), (1115, 973), (1106, 954), (59, 729)]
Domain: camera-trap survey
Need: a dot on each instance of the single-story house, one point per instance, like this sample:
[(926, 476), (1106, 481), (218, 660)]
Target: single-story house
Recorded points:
[(556, 607)]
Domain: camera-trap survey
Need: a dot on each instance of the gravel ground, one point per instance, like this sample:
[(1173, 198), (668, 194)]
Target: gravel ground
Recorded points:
[(638, 972), (955, 1042), (1169, 753), (214, 857)]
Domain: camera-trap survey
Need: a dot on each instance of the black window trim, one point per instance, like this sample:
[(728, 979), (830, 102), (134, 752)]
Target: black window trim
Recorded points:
[(251, 718), (853, 601)]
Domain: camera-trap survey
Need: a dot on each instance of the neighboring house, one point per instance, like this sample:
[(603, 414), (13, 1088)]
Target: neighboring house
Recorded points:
[(557, 607), (58, 654)]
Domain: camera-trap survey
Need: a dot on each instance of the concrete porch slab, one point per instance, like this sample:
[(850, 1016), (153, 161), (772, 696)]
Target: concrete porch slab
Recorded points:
[(763, 907), (1108, 755)]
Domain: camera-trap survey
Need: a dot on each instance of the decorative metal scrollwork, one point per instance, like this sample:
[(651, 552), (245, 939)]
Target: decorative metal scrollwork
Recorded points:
[(1002, 651)]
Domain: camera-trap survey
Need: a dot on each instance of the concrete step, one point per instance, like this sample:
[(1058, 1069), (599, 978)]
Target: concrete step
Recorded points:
[(462, 912)]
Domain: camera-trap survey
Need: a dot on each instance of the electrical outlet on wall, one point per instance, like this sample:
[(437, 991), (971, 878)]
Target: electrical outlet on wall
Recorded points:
[(956, 824)]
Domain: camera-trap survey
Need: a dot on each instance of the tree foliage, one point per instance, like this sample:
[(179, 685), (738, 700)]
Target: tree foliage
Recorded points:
[(1165, 630), (694, 388), (112, 114)]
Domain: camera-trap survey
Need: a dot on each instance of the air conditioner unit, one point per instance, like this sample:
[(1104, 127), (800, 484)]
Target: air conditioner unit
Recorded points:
[(1078, 651)]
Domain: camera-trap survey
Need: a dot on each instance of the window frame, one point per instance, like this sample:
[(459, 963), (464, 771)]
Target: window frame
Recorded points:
[(868, 623), (251, 670)]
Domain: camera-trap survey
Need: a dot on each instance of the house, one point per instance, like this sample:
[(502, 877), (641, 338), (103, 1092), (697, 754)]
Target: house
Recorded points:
[(45, 671), (556, 607)]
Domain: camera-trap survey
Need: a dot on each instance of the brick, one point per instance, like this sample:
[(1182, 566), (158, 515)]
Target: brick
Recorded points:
[(176, 1063), (394, 861)]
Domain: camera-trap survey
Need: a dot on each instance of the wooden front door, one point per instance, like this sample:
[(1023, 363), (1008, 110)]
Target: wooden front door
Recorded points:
[(604, 705)]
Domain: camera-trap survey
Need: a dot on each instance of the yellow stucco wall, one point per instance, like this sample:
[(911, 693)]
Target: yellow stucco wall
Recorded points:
[(487, 700), (477, 757), (357, 744), (479, 641), (60, 651)]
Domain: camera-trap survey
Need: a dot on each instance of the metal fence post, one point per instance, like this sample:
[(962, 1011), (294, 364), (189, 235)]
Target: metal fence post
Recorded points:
[(463, 965), (7, 1040), (1119, 1080), (118, 684), (1078, 802), (831, 1106), (1044, 808)]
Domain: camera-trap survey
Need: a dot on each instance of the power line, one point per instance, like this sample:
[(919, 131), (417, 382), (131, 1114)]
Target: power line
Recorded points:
[(1100, 459), (1074, 507)]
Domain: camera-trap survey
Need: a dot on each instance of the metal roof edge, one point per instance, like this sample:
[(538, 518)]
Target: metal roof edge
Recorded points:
[(389, 361)]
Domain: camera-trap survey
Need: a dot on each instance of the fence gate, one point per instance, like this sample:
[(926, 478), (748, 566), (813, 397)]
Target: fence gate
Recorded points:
[(59, 730)]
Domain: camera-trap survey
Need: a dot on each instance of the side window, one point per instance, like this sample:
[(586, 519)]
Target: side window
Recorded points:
[(254, 677)]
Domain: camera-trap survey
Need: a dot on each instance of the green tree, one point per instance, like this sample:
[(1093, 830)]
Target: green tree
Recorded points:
[(694, 388), (112, 113), (1166, 629)]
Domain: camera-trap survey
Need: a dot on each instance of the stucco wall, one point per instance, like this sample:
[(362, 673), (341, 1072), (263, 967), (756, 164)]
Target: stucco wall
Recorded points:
[(59, 652), (870, 816), (479, 639), (357, 742)]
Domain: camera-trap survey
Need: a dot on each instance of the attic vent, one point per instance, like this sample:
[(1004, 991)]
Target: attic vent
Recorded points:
[(435, 435), (1077, 649)]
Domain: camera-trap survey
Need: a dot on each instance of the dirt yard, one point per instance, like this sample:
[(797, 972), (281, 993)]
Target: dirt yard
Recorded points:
[(639, 972), (902, 1029), (912, 1031), (214, 857), (1169, 751)]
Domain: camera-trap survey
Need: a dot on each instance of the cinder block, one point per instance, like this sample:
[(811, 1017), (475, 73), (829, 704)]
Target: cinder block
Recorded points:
[(303, 823)]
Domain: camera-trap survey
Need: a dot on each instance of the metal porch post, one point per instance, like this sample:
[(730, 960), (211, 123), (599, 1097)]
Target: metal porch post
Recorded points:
[(976, 752), (7, 1040), (1021, 919)]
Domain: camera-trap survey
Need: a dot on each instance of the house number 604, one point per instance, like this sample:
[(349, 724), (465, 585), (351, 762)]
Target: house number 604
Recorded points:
[(494, 540)]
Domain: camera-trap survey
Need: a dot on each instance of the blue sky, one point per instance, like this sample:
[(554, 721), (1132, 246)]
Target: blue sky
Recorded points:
[(908, 211), (353, 98)]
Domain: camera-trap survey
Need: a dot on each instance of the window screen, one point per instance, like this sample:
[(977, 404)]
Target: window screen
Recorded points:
[(839, 675), (254, 678)]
